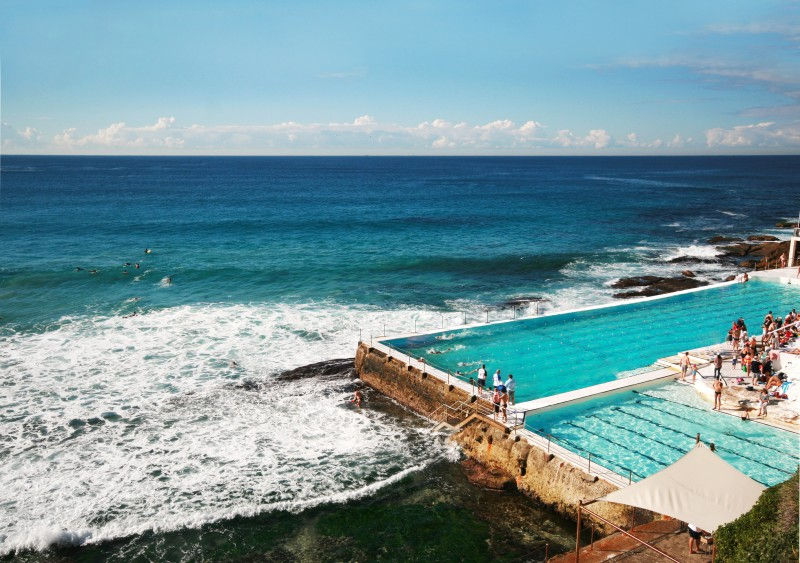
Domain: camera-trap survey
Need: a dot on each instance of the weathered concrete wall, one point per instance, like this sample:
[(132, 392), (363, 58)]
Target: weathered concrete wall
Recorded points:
[(548, 479), (420, 392)]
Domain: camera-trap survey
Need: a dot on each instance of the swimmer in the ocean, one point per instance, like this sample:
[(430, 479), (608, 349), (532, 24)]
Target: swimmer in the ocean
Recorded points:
[(147, 251), (233, 364), (78, 269), (169, 280), (92, 271), (127, 264), (136, 265), (131, 315), (357, 398)]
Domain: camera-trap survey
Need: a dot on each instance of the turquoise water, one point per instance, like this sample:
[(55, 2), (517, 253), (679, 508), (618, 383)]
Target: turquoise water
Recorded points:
[(645, 431), (554, 354)]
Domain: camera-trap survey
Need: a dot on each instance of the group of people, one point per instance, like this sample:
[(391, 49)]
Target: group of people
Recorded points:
[(503, 391), (756, 356)]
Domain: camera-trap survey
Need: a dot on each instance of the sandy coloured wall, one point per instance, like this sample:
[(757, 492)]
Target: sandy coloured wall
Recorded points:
[(546, 478)]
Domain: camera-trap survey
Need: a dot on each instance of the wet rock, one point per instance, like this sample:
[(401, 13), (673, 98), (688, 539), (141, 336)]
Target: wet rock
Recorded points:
[(636, 281), (786, 224), (719, 238), (111, 416), (490, 478), (749, 264), (663, 285), (340, 367), (741, 249), (520, 302), (730, 278), (693, 260), (688, 273), (762, 238)]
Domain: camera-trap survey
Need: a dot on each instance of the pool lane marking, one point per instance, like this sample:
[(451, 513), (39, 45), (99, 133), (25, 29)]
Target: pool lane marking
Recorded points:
[(727, 449)]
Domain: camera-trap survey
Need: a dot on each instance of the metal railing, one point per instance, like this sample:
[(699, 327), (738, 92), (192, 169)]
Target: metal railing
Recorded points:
[(591, 467)]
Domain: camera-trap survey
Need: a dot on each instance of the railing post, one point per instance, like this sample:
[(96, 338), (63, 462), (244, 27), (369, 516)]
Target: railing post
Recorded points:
[(546, 552), (465, 317), (630, 476), (578, 536), (548, 443)]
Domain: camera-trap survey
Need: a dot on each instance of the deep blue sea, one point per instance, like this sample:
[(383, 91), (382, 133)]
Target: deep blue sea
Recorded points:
[(116, 425)]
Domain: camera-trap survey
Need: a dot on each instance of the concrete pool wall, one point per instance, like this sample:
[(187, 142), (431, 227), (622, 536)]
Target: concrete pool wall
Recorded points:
[(546, 476)]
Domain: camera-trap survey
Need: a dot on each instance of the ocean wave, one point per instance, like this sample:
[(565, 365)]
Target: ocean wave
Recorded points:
[(638, 181), (693, 251), (123, 425)]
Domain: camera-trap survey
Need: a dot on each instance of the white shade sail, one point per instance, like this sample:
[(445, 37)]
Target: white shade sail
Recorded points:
[(700, 488)]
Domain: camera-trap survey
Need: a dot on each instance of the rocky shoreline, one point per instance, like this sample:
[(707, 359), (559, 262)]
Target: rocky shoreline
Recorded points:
[(741, 254)]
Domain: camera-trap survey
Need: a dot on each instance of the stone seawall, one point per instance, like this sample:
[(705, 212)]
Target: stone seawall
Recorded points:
[(538, 474)]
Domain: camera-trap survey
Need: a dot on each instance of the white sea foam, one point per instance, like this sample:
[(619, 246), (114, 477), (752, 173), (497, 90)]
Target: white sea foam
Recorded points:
[(113, 426), (732, 213), (694, 251)]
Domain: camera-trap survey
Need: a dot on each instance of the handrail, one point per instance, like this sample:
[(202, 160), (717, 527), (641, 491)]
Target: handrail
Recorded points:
[(641, 541), (580, 452)]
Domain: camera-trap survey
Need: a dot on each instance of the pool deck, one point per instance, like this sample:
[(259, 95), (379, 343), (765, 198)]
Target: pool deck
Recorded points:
[(595, 390)]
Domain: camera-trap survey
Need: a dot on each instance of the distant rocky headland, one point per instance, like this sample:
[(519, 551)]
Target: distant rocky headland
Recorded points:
[(750, 253)]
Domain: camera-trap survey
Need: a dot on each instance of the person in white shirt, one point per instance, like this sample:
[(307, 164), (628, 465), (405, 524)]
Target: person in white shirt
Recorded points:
[(481, 379), (498, 381), (511, 386)]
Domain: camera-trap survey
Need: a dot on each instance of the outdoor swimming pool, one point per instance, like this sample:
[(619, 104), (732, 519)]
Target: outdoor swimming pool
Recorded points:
[(563, 352), (646, 430)]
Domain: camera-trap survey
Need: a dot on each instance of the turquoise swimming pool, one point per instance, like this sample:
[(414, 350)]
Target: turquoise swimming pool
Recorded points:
[(563, 352), (646, 430)]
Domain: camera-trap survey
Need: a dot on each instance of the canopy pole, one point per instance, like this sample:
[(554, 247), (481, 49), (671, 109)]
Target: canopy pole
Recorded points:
[(578, 536)]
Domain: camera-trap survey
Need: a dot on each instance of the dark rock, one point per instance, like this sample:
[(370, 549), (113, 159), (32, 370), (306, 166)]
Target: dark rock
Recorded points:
[(741, 249), (693, 260), (719, 238), (341, 367), (491, 478), (747, 264), (636, 281), (730, 278), (786, 224), (688, 273), (665, 285), (520, 302), (762, 238)]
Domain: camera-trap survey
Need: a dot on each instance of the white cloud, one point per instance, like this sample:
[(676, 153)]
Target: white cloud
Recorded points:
[(367, 135), (764, 134), (597, 138)]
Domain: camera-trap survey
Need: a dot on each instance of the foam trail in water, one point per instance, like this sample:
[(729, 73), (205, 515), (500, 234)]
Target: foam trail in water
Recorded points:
[(113, 426)]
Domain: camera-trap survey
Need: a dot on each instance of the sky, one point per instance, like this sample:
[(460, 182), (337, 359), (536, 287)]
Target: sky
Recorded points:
[(428, 78)]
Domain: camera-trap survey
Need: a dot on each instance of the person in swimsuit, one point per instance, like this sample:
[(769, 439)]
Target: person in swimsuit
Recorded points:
[(717, 395), (763, 401), (496, 402), (504, 404), (684, 365), (357, 398)]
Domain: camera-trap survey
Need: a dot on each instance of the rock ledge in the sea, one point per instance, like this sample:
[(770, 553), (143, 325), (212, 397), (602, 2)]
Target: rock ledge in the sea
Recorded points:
[(343, 366), (491, 478), (720, 238), (655, 285)]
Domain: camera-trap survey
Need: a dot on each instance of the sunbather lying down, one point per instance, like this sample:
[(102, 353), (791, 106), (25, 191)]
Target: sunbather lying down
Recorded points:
[(773, 381)]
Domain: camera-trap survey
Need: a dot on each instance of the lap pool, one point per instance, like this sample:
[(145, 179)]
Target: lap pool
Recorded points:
[(567, 351), (646, 430)]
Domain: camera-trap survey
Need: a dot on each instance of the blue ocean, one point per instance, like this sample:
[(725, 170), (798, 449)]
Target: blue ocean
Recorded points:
[(148, 304)]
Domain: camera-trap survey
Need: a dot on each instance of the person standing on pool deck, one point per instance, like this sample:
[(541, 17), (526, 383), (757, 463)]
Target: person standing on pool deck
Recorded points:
[(694, 372), (684, 365), (481, 379), (717, 395), (718, 365), (498, 381), (511, 387), (496, 402)]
